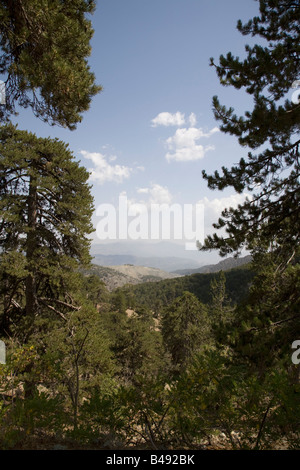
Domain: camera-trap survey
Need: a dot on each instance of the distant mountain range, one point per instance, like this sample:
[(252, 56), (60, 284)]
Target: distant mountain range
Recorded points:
[(224, 265), (167, 263), (115, 276), (164, 255)]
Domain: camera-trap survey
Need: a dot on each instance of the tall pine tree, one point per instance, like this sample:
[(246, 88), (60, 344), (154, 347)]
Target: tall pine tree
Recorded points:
[(44, 50), (45, 214), (268, 224), (271, 217)]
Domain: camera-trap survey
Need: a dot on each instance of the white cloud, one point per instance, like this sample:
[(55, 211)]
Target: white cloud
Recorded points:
[(139, 168), (192, 224), (154, 213), (103, 171), (160, 195), (157, 194), (214, 207), (192, 119), (184, 146), (168, 119)]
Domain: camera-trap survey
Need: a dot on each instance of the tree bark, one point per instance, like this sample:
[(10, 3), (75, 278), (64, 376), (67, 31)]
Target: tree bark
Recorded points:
[(30, 285), (31, 308)]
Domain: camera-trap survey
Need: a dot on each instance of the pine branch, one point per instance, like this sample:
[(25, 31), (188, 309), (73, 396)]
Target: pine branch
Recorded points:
[(54, 310), (60, 302)]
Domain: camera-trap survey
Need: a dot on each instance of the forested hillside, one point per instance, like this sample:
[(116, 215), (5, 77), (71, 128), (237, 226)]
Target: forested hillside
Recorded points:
[(161, 294), (199, 362)]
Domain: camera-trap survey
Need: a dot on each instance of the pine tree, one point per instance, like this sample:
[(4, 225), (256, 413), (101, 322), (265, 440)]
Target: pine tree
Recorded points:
[(45, 213), (271, 217), (185, 328), (269, 223), (265, 326), (221, 309), (44, 50)]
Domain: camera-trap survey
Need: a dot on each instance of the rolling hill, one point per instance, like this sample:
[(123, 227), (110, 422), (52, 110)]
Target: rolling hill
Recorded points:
[(118, 276)]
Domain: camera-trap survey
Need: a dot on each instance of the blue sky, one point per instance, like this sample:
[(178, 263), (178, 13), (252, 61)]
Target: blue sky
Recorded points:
[(151, 131)]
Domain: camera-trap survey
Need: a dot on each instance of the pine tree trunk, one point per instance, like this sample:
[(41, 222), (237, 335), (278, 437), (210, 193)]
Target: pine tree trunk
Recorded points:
[(30, 287), (31, 308)]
